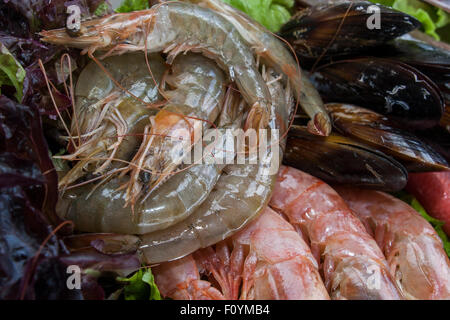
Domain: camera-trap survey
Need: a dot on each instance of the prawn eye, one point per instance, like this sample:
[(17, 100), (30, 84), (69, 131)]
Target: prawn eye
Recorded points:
[(144, 177)]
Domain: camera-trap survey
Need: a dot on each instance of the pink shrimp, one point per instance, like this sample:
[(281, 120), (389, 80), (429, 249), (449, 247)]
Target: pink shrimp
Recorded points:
[(266, 260), (414, 251), (353, 265)]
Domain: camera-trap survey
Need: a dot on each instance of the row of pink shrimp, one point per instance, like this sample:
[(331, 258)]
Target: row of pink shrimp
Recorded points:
[(366, 245)]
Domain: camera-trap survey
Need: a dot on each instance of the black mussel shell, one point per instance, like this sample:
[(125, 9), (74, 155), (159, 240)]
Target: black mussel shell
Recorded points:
[(340, 160), (445, 120), (430, 60), (313, 29), (389, 87), (438, 138), (379, 132)]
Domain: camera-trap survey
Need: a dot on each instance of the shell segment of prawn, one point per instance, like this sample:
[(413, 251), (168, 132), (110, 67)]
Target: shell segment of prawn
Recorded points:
[(274, 53), (241, 192), (414, 251), (352, 264), (175, 27), (266, 260)]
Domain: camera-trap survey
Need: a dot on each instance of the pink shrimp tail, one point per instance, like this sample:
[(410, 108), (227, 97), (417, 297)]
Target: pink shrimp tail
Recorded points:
[(180, 280)]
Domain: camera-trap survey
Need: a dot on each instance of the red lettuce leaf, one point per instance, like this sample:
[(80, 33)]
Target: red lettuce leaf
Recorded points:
[(20, 22), (35, 15), (28, 195), (28, 182)]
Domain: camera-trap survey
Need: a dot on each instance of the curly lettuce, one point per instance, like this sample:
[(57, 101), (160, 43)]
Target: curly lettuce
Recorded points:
[(270, 13), (102, 9), (132, 5), (432, 18), (11, 72), (141, 286)]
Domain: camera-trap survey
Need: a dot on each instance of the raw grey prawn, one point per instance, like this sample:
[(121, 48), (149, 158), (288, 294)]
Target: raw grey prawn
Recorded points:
[(243, 190), (240, 194), (265, 260), (175, 27), (414, 251), (173, 222), (107, 121), (102, 207), (352, 264), (195, 102)]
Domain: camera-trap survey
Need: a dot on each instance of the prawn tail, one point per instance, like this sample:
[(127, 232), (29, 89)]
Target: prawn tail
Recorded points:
[(224, 266), (180, 280), (258, 117), (320, 125)]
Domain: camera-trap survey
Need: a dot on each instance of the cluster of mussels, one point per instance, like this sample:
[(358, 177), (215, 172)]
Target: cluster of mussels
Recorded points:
[(387, 92)]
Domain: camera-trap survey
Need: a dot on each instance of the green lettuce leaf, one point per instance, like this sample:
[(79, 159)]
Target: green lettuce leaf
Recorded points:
[(132, 5), (270, 13), (11, 72), (59, 164), (432, 18), (141, 286), (437, 224), (102, 9)]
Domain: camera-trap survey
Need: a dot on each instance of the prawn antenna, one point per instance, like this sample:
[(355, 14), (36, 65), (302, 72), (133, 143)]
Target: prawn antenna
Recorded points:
[(332, 39), (71, 93), (48, 83)]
